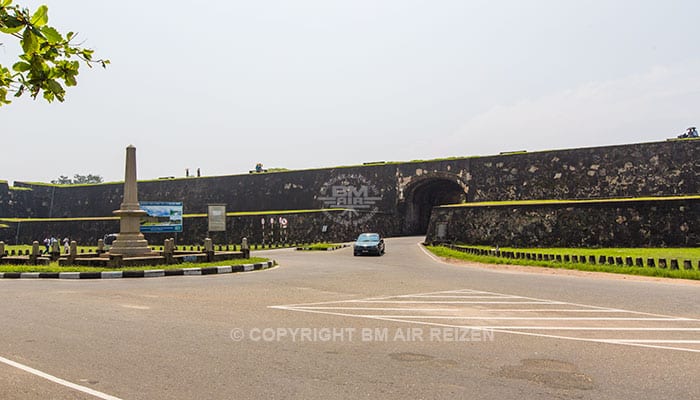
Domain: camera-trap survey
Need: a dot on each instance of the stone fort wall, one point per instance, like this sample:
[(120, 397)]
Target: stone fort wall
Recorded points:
[(666, 168)]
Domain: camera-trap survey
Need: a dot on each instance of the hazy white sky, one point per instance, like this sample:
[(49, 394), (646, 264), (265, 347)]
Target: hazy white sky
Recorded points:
[(221, 85)]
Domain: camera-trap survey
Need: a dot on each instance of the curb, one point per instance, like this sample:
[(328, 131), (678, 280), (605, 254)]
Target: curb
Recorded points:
[(149, 273), (332, 248)]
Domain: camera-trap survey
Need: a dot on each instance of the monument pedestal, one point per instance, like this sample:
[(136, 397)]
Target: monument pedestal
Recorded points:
[(130, 241)]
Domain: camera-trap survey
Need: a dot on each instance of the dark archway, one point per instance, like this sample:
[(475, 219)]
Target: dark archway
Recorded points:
[(423, 195)]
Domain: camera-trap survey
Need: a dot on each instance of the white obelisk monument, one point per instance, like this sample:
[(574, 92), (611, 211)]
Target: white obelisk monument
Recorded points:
[(130, 241)]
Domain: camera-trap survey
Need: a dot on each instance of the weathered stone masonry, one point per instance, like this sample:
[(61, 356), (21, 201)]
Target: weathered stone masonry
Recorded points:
[(408, 191), (617, 223)]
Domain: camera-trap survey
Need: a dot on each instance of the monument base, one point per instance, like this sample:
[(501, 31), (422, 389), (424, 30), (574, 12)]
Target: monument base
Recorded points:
[(131, 245)]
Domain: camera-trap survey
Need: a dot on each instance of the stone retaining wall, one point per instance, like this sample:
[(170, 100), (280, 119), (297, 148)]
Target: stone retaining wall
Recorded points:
[(614, 223)]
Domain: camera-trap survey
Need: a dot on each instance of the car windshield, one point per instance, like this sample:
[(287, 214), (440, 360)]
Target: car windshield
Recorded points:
[(368, 237)]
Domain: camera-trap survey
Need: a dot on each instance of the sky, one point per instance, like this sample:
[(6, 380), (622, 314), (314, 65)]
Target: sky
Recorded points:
[(223, 85)]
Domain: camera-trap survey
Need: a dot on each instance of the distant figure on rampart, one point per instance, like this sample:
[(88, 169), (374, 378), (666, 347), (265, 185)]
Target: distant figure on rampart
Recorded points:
[(689, 133)]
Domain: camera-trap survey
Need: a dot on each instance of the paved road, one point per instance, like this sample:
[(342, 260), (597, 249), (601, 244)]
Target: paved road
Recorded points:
[(330, 325)]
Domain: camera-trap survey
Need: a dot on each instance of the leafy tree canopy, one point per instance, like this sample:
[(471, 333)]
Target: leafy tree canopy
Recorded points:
[(49, 61), (77, 179)]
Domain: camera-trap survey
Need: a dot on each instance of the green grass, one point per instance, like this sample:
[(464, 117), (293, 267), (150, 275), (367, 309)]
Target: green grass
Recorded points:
[(680, 254), (54, 267)]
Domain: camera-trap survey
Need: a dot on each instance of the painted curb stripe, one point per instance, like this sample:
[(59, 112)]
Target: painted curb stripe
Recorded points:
[(237, 268), (153, 273), (132, 274), (192, 271), (111, 274)]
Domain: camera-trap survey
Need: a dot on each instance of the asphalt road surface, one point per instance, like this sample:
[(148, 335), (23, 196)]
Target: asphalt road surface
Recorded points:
[(333, 326)]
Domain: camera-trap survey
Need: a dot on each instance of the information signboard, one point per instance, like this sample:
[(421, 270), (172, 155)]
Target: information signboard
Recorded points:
[(217, 217), (163, 216)]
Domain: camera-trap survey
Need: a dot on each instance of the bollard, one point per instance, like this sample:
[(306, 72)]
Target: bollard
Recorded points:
[(244, 248), (169, 250), (35, 253), (73, 251), (209, 249)]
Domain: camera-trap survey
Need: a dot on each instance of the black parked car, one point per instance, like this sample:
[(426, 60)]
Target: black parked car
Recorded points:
[(369, 243)]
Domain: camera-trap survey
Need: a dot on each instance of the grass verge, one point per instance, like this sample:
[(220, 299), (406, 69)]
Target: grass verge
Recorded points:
[(442, 251)]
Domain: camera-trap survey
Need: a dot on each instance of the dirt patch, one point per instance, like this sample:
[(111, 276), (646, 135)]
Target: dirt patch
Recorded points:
[(554, 374)]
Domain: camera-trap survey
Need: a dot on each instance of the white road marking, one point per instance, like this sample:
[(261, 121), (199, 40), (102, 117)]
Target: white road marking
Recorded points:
[(455, 302), (135, 306), (654, 341), (337, 308), (528, 318), (59, 381)]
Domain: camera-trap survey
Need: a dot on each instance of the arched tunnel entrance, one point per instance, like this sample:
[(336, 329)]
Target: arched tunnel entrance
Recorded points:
[(423, 196)]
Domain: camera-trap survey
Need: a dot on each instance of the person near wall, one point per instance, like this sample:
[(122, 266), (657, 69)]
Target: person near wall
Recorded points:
[(689, 133)]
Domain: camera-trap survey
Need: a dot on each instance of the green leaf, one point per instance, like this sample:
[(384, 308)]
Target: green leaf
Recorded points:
[(51, 34), (5, 3), (30, 42), (40, 17), (54, 87), (10, 24), (10, 31), (21, 66)]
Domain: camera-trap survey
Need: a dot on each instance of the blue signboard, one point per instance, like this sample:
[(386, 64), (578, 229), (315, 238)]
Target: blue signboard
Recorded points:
[(163, 216)]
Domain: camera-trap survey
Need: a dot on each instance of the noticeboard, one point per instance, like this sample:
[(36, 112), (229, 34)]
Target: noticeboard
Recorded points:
[(216, 216), (162, 216)]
